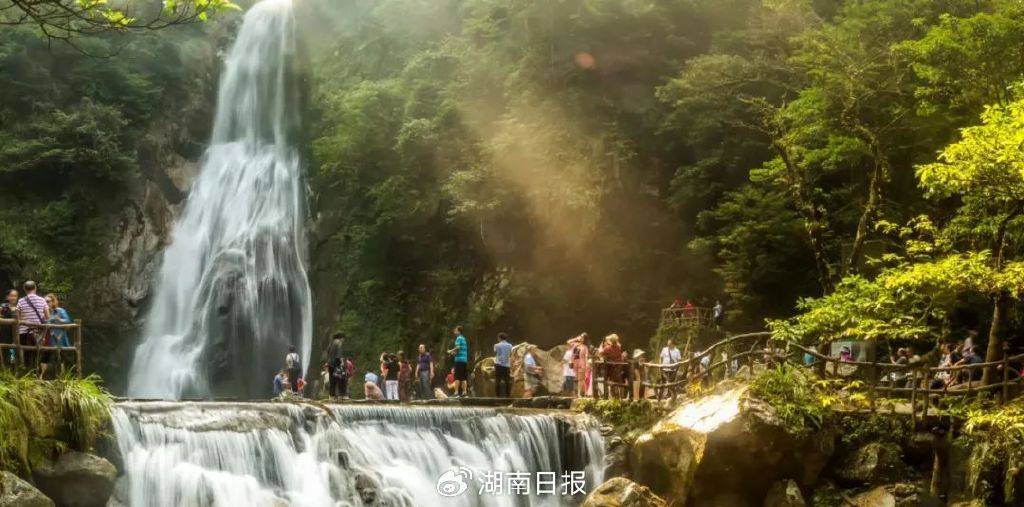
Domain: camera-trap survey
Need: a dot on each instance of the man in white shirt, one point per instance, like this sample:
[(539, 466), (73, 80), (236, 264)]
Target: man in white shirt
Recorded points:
[(670, 354), (568, 372)]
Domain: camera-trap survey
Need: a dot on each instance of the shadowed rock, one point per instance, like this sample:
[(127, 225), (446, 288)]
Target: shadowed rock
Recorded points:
[(622, 492), (873, 463), (76, 479), (784, 494), (14, 492)]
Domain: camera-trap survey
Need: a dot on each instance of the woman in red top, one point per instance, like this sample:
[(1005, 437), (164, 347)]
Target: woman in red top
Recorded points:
[(611, 352)]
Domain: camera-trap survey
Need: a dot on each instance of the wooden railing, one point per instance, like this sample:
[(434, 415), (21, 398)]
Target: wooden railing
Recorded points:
[(912, 381), (35, 351), (673, 378), (694, 316)]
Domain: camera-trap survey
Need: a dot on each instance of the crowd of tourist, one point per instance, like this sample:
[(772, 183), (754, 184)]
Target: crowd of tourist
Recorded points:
[(585, 369), (32, 311)]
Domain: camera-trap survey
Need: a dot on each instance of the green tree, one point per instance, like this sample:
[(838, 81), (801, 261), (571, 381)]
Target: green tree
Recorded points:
[(70, 19), (985, 171)]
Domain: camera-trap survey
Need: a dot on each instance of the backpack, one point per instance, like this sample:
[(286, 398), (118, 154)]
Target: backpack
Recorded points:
[(344, 370), (293, 361)]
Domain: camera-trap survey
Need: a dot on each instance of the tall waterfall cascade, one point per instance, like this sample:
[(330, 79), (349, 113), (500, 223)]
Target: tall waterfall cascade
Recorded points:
[(278, 454), (232, 292)]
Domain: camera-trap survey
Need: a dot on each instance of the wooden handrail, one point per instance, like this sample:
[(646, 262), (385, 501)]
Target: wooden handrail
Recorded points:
[(44, 325), (73, 330), (916, 372)]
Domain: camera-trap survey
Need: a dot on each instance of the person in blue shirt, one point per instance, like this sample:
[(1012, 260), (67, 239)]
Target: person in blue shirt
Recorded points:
[(461, 352), (281, 383), (503, 367), (58, 315)]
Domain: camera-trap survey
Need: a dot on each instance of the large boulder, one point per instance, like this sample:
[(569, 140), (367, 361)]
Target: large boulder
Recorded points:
[(551, 380), (784, 494), (725, 449), (15, 492), (76, 479), (872, 463), (622, 492)]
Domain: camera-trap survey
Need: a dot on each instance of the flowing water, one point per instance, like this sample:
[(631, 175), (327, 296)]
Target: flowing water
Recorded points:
[(232, 294), (274, 454)]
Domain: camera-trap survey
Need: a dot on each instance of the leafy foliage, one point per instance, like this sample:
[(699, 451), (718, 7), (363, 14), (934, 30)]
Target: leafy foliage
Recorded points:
[(996, 436), (67, 20), (798, 400), (859, 429)]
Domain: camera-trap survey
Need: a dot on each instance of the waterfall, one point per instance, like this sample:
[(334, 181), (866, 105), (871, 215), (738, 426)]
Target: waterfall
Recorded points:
[(275, 454), (232, 294)]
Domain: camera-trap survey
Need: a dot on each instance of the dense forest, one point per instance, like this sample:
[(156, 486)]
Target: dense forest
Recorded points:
[(838, 167)]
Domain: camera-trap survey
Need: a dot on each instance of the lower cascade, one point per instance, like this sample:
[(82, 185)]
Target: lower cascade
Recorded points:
[(278, 454)]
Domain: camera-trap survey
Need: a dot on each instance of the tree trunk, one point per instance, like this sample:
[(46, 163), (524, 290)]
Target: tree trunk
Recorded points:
[(995, 343), (879, 175), (994, 352), (813, 221), (874, 195)]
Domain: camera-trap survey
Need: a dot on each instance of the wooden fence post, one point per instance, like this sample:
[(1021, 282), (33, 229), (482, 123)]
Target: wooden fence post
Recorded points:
[(874, 383), (17, 340), (927, 394), (1005, 395), (913, 396), (78, 347)]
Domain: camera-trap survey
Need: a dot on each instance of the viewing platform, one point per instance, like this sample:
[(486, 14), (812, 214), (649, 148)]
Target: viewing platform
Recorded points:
[(35, 352), (692, 317)]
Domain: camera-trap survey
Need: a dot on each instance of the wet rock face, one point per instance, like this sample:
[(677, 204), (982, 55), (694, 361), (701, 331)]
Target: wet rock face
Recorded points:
[(725, 450), (622, 492), (873, 463), (14, 492), (616, 458), (77, 479)]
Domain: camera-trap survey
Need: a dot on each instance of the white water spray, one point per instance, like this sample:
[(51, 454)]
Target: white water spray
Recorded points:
[(274, 454), (232, 292)]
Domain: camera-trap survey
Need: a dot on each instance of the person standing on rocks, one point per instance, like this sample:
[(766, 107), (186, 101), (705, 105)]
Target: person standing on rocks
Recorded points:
[(503, 367), (391, 371), (461, 353), (581, 362), (336, 366), (568, 371), (293, 364), (425, 372)]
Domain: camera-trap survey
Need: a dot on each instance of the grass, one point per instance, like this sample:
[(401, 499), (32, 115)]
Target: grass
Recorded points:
[(39, 418), (628, 418)]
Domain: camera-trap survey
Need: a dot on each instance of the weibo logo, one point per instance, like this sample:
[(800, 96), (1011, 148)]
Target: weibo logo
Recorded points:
[(453, 482)]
